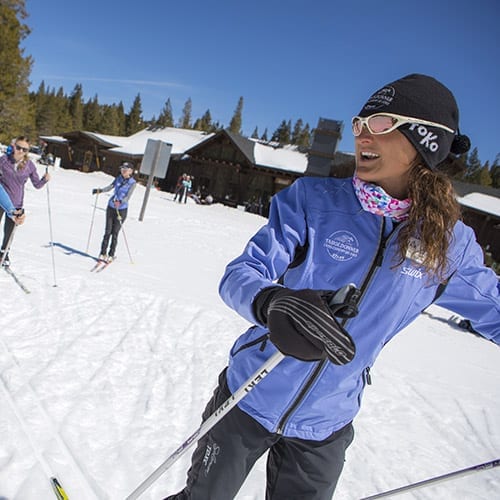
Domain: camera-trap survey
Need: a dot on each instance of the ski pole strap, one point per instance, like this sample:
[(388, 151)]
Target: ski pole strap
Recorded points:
[(437, 479), (216, 416)]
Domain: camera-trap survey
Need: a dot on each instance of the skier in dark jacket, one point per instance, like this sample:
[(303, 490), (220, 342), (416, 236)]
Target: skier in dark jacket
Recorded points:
[(116, 211), (394, 231)]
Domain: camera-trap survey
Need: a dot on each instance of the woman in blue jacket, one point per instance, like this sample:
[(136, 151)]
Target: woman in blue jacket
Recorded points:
[(116, 211), (394, 231)]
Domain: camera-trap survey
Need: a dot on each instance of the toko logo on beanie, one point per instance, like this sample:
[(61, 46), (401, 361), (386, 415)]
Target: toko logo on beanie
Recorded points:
[(420, 96)]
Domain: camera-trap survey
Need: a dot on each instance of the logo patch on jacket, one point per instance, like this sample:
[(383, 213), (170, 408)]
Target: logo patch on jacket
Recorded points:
[(414, 251), (416, 255), (342, 245)]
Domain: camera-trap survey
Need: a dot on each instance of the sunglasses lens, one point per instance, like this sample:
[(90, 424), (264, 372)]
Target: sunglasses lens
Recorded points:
[(357, 125), (378, 124)]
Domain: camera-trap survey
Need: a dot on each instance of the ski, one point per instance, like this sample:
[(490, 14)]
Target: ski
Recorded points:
[(21, 285), (98, 265), (433, 480), (58, 489), (101, 268)]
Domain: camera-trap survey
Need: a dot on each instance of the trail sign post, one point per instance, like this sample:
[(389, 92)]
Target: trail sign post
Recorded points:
[(154, 164)]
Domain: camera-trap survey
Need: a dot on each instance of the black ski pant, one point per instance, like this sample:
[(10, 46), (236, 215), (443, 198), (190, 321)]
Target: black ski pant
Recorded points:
[(113, 226), (8, 227), (183, 194), (296, 468)]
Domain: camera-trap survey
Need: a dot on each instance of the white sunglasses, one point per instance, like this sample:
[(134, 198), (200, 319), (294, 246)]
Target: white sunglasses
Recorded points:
[(383, 123)]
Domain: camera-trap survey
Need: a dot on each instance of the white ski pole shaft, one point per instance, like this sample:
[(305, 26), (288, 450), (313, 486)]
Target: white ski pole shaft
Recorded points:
[(124, 235), (437, 479), (216, 416), (51, 235), (9, 244), (92, 223)]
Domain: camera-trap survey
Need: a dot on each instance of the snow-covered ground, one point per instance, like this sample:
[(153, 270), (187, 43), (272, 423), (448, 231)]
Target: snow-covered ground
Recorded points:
[(102, 376)]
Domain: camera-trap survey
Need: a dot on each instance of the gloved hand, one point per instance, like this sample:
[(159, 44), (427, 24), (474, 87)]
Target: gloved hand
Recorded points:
[(117, 203), (301, 323), (19, 216), (96, 191)]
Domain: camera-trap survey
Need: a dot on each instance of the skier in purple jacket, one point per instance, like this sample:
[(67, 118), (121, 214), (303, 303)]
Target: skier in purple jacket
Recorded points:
[(394, 232), (15, 169)]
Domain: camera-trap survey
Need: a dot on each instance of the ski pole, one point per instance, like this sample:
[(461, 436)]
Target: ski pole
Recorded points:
[(124, 236), (92, 222), (445, 477), (51, 236), (216, 416), (9, 244)]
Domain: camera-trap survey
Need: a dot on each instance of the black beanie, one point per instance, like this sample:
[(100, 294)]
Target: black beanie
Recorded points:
[(421, 96)]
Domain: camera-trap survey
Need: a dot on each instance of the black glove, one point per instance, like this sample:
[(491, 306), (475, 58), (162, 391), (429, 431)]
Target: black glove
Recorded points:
[(301, 322), (96, 191)]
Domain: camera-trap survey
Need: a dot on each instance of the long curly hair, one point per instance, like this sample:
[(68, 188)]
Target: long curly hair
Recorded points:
[(433, 214)]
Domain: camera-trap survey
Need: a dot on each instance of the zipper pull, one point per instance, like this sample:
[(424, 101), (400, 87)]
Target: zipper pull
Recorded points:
[(368, 376)]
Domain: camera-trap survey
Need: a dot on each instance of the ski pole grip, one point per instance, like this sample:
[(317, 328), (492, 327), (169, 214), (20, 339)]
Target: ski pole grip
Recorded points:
[(344, 302)]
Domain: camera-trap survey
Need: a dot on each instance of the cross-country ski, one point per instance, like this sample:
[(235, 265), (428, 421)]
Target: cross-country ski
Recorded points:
[(13, 275)]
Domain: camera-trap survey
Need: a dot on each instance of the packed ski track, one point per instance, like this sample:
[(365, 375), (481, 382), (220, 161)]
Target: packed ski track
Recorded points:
[(103, 375)]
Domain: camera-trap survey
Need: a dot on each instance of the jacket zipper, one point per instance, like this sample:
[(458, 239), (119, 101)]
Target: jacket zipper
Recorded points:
[(377, 262)]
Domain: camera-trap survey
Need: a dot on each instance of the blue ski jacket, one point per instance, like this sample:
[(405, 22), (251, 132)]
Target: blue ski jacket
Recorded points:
[(5, 202), (123, 189), (340, 243)]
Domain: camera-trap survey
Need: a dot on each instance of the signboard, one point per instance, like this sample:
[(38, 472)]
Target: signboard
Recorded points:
[(156, 158)]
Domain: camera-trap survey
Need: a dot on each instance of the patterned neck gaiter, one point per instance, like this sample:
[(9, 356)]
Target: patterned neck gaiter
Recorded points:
[(375, 200)]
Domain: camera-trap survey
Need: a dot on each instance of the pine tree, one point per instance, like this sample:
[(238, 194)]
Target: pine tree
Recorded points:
[(297, 131), (185, 119), (283, 133), (91, 115), (122, 119), (109, 120), (237, 119), (473, 167), (166, 118), (16, 114), (484, 175), (263, 137), (63, 118), (204, 123), (304, 138), (495, 172), (76, 107), (255, 134), (135, 121)]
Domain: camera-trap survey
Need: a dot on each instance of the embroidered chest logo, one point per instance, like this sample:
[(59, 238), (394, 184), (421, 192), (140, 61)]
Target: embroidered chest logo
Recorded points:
[(342, 246), (415, 254)]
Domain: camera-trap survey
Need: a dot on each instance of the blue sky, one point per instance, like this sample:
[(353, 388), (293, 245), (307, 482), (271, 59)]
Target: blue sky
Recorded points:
[(288, 59)]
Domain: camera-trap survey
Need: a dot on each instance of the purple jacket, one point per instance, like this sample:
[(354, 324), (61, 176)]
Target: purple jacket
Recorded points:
[(14, 180)]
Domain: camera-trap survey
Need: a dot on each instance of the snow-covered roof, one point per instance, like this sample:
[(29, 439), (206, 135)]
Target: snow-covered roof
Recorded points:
[(287, 158), (180, 138), (54, 138), (482, 202)]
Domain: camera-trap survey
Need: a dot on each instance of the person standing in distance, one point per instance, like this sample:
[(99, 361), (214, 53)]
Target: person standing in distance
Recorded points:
[(15, 169), (394, 231), (116, 212)]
